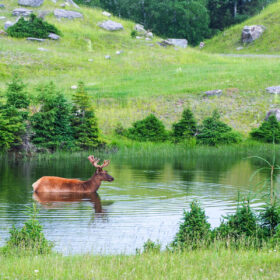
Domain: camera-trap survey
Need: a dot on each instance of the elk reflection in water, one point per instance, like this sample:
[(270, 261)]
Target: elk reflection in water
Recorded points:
[(54, 200)]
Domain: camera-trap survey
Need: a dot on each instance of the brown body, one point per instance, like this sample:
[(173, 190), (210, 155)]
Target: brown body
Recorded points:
[(58, 184)]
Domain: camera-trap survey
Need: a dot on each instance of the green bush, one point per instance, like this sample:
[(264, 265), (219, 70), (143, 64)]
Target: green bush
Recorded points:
[(133, 34), (195, 230), (151, 247), (270, 219), (214, 132), (148, 129), (269, 131), (186, 127), (34, 27), (30, 236)]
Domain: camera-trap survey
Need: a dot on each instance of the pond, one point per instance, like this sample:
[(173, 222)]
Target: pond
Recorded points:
[(145, 201)]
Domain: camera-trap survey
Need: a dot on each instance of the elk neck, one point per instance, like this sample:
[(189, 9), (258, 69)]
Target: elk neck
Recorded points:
[(92, 184)]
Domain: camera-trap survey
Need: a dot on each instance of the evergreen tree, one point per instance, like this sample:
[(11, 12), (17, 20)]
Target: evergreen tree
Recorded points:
[(84, 123), (186, 127), (269, 131), (213, 132), (51, 125)]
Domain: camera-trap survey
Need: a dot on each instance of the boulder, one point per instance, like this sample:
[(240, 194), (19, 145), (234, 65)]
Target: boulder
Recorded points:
[(53, 36), (22, 12), (273, 112), (251, 33), (110, 25), (2, 18), (43, 14), (215, 92), (140, 29), (119, 52), (30, 3), (182, 43), (149, 35), (273, 90), (2, 6), (8, 24), (59, 13), (106, 14), (107, 56), (35, 39)]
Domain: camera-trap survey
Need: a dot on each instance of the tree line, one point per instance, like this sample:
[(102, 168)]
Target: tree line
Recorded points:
[(193, 20)]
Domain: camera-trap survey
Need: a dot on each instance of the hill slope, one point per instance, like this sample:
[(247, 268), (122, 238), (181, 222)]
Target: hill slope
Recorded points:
[(269, 43), (144, 78)]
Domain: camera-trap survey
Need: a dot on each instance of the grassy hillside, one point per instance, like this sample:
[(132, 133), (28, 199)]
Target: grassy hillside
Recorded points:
[(144, 78), (269, 43)]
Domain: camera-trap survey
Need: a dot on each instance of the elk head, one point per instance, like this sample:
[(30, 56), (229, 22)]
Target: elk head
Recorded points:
[(101, 174)]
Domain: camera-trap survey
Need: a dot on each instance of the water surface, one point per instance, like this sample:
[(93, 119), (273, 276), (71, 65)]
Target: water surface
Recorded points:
[(146, 200)]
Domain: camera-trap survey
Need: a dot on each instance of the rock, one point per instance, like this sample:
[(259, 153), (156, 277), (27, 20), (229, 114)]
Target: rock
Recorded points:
[(201, 45), (149, 35), (59, 13), (107, 56), (140, 29), (119, 52), (2, 6), (182, 43), (2, 32), (53, 36), (42, 49), (35, 39), (74, 87), (148, 39), (22, 12), (42, 14), (251, 33), (30, 3), (2, 18), (106, 14), (239, 48), (139, 37), (90, 60), (8, 24), (215, 92), (71, 2), (110, 25), (273, 90), (273, 112)]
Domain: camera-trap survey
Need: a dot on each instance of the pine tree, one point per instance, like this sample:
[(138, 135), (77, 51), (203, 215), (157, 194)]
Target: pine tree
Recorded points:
[(186, 127), (51, 125), (83, 121)]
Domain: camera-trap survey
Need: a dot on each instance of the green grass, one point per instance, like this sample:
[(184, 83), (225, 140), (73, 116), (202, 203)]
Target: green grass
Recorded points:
[(199, 264), (143, 79), (269, 43)]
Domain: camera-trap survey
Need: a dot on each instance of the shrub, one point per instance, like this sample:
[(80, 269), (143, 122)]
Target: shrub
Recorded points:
[(30, 236), (148, 129), (133, 34), (34, 27), (194, 230), (83, 120), (269, 131), (270, 219), (186, 127), (214, 132), (150, 246)]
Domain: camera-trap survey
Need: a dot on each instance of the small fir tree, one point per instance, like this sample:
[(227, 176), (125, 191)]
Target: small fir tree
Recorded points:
[(51, 125), (83, 121), (213, 132), (269, 131), (186, 127), (148, 129)]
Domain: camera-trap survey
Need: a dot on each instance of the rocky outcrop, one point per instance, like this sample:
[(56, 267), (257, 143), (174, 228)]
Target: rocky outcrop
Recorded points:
[(273, 90), (59, 13), (182, 43), (141, 31), (215, 92), (30, 3), (273, 112), (22, 12), (110, 25), (53, 36), (251, 33)]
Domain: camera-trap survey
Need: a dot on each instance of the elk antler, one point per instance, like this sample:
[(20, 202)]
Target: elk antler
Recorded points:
[(94, 162)]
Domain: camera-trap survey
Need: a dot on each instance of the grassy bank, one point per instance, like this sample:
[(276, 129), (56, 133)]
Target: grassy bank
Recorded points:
[(199, 264)]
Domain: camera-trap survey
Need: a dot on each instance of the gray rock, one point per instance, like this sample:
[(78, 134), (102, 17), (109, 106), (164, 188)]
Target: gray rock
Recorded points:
[(110, 25), (43, 14), (140, 29), (239, 48), (273, 112), (182, 43), (149, 35), (119, 52), (53, 36), (71, 2), (251, 33), (2, 6), (74, 87), (42, 49), (2, 18), (139, 37), (59, 13), (8, 24), (107, 56), (106, 14), (30, 3), (35, 39), (22, 12), (215, 92), (273, 90)]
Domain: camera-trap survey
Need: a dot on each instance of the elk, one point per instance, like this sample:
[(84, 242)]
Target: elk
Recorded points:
[(58, 184)]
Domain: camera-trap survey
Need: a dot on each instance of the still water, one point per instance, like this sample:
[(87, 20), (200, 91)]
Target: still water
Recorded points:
[(146, 200)]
